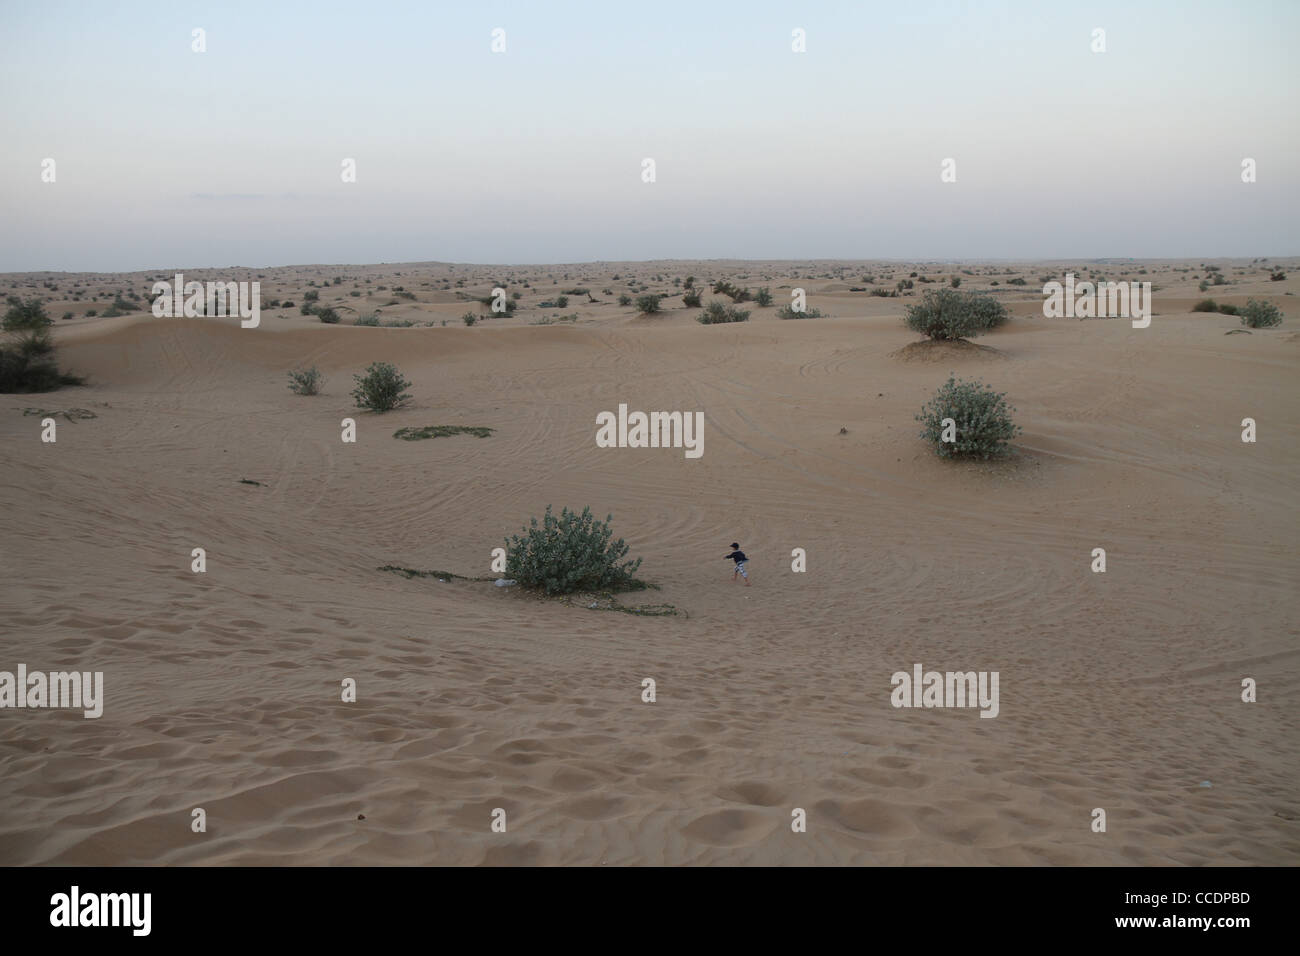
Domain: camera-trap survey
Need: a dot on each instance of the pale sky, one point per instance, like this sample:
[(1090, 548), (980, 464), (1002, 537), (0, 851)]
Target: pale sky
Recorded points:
[(165, 157)]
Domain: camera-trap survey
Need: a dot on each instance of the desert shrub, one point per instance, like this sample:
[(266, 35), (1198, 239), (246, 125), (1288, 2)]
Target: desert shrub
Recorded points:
[(1276, 276), (1225, 309), (561, 301), (24, 314), (328, 316), (989, 313), (883, 293), (904, 284), (625, 299), (949, 314), (469, 318), (981, 416), (355, 293), (1205, 284), (763, 297), (1018, 280), (577, 291), (27, 363), (647, 304), (91, 313), (288, 304), (1219, 279), (690, 282), (788, 312), (691, 299), (398, 324), (67, 315), (311, 295), (381, 389), (370, 320), (570, 553), (1259, 314), (715, 313), (1206, 305), (955, 281), (306, 381)]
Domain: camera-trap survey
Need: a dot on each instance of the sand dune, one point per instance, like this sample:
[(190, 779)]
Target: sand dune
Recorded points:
[(1118, 690)]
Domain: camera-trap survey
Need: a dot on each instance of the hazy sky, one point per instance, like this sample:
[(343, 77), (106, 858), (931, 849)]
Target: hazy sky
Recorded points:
[(170, 158)]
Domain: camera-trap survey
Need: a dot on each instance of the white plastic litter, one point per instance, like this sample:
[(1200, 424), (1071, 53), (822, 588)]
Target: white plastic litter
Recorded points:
[(504, 583)]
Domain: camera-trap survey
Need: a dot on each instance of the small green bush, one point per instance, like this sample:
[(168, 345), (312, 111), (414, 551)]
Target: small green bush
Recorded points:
[(763, 297), (715, 313), (310, 296), (306, 381), (1259, 314), (381, 389), (370, 320), (955, 281), (570, 553), (647, 304), (328, 316), (788, 312), (469, 318), (1206, 305), (981, 416), (625, 300), (691, 299)]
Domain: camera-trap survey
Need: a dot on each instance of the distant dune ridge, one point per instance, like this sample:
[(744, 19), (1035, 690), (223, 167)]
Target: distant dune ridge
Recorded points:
[(1119, 690)]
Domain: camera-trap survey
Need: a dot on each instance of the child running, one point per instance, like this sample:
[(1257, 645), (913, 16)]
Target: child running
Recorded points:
[(739, 557)]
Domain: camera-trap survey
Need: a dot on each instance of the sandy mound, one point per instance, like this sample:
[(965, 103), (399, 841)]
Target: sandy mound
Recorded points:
[(931, 351)]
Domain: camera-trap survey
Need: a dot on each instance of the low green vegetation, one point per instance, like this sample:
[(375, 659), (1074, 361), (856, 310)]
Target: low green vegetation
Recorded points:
[(442, 431)]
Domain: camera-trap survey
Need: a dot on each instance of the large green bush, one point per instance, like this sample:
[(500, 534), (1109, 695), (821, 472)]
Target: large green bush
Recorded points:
[(27, 361), (381, 389), (1259, 314), (950, 314), (981, 416), (570, 553)]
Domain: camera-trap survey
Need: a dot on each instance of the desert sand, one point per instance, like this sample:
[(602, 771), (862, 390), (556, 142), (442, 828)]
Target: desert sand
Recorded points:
[(1119, 691)]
